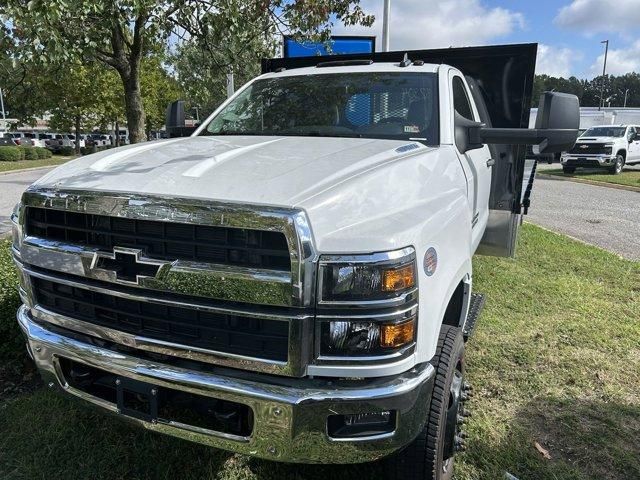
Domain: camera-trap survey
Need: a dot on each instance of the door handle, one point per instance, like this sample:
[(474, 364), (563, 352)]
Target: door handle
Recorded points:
[(491, 162)]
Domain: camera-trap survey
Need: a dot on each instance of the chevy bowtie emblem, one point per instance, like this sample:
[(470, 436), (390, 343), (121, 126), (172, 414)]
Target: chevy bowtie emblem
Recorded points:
[(584, 146), (125, 265)]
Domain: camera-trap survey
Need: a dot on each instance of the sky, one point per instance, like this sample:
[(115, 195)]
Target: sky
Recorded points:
[(568, 32)]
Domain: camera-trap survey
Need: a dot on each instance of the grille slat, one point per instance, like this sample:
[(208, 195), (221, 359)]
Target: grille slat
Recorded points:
[(235, 334), (163, 240), (591, 149)]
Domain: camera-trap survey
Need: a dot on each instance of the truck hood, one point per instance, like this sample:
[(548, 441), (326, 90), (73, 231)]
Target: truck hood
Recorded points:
[(598, 139), (283, 171)]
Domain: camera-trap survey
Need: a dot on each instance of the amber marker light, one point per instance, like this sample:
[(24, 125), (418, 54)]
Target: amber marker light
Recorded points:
[(396, 335), (396, 279)]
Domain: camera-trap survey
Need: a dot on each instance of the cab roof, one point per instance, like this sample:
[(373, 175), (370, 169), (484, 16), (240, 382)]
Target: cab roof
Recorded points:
[(373, 67)]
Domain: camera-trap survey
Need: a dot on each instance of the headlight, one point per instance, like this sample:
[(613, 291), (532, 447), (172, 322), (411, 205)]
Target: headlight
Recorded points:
[(357, 281), (367, 304), (341, 337)]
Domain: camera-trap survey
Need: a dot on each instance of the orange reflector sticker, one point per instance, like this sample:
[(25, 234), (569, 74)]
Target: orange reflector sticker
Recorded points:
[(397, 335), (398, 278)]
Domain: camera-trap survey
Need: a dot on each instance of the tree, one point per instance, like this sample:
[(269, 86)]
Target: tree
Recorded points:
[(118, 32), (159, 89), (588, 91), (74, 97)]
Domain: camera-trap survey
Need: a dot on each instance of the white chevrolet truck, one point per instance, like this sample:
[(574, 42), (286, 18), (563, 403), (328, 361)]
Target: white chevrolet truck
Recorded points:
[(294, 280), (604, 146)]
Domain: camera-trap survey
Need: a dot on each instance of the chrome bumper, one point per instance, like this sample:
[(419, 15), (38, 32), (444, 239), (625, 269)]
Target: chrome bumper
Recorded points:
[(588, 160), (290, 421)]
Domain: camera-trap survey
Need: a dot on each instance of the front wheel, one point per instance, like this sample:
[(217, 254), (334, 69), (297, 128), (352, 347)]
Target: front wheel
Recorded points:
[(616, 169), (431, 455)]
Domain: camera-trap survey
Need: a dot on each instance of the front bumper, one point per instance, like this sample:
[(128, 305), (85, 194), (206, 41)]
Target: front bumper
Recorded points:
[(588, 160), (289, 419)]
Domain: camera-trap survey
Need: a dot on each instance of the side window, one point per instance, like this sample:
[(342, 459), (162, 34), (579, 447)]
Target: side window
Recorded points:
[(461, 100)]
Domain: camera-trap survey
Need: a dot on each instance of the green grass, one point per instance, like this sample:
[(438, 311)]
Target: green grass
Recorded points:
[(555, 360), (627, 177), (45, 162)]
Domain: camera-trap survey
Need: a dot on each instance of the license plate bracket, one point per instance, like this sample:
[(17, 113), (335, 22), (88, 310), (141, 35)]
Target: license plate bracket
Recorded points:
[(137, 399)]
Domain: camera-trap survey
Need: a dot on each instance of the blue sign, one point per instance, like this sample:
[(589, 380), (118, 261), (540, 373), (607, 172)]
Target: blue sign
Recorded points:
[(340, 45)]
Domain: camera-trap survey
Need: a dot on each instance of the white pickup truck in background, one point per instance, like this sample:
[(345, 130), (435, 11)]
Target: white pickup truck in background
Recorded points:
[(294, 280), (604, 146)]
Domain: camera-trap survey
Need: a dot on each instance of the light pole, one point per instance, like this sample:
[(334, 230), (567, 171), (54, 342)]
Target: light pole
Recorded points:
[(626, 92), (4, 117), (604, 69), (385, 26)]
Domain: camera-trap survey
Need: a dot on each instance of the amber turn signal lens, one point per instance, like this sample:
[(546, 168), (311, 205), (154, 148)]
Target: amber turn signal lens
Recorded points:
[(398, 334), (398, 278)]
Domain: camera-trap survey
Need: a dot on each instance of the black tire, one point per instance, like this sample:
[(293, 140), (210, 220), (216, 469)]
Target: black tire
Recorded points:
[(616, 169), (423, 458), (568, 169)]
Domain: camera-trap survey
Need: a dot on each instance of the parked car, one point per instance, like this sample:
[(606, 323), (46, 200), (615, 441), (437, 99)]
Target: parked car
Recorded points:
[(37, 139), (604, 146), (18, 137), (98, 139), (6, 140), (66, 140), (294, 281)]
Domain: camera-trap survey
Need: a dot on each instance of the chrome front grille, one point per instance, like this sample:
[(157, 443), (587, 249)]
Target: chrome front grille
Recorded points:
[(211, 330), (162, 239), (590, 149), (221, 283)]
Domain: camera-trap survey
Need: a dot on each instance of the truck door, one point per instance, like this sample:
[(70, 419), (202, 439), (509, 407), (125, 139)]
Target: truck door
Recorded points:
[(476, 163)]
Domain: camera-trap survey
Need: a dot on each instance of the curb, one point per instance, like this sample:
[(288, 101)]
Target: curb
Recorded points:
[(30, 169), (579, 240), (597, 183)]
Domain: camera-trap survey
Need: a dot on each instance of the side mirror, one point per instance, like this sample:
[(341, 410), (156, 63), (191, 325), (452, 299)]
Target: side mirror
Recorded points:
[(556, 128), (175, 121)]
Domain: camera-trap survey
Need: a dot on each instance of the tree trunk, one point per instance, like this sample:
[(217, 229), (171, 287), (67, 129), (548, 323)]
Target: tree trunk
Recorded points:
[(116, 133), (77, 134), (133, 106)]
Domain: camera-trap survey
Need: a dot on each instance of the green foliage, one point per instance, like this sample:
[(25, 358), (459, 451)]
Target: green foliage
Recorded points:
[(43, 152), (588, 91), (12, 343), (121, 33), (159, 88), (10, 154), (28, 153), (67, 151)]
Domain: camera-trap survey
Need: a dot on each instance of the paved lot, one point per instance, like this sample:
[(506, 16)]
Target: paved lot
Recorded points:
[(11, 187), (602, 216)]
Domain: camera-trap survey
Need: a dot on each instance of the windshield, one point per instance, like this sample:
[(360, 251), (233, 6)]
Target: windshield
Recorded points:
[(361, 105), (605, 132)]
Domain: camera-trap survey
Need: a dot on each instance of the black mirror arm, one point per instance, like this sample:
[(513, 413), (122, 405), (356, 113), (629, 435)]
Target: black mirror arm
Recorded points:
[(523, 136)]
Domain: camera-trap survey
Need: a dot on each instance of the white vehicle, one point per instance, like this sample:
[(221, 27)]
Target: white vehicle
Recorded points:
[(298, 272), (99, 139), (604, 146), (37, 139), (18, 137), (61, 140)]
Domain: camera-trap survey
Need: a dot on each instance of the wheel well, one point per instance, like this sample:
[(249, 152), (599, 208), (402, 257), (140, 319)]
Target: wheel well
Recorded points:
[(623, 153), (453, 313)]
